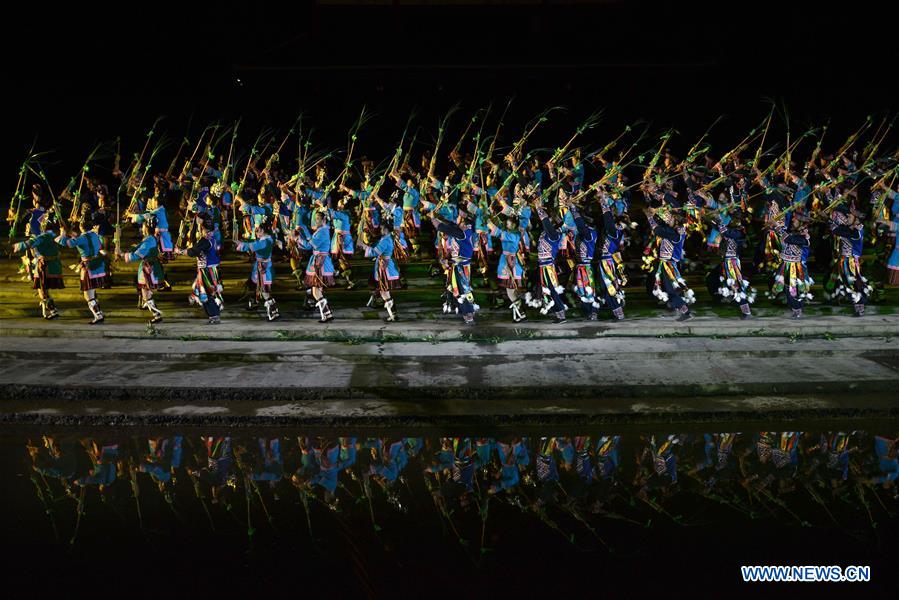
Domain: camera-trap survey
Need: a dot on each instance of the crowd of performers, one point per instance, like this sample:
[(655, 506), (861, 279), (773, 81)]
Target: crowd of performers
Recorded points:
[(542, 230), (810, 477)]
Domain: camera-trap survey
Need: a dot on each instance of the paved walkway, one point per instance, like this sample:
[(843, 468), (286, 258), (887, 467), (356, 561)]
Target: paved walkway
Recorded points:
[(449, 328), (307, 379)]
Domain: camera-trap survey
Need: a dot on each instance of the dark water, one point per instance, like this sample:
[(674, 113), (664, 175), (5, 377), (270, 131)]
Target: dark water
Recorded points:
[(177, 513)]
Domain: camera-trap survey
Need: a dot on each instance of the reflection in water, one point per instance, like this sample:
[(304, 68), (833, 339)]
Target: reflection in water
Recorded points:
[(465, 502)]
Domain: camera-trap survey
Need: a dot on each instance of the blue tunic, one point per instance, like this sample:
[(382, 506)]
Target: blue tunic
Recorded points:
[(262, 248), (893, 262), (34, 221), (510, 240), (342, 240), (321, 255), (162, 226), (383, 255), (88, 245)]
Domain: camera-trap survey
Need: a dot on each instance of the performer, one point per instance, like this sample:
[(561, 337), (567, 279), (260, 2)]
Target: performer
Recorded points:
[(299, 239), (210, 205), (483, 249), (670, 286), (207, 288), (92, 266), (585, 284), (100, 214), (400, 244), (320, 269), (149, 270), (610, 267), (411, 216), (791, 278), (510, 269), (846, 280), (156, 211), (777, 218), (385, 276), (262, 275), (548, 283), (45, 268), (342, 245), (892, 226), (461, 239), (38, 209), (731, 285)]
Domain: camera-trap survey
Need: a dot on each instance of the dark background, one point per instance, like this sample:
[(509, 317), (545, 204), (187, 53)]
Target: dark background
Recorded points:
[(80, 74)]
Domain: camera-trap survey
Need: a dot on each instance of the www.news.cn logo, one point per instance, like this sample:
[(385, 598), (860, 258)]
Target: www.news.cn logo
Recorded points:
[(805, 573)]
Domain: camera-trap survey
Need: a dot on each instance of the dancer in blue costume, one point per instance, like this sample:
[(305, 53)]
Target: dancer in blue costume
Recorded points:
[(44, 266), (385, 275), (207, 287), (149, 270), (93, 265), (262, 275), (320, 268)]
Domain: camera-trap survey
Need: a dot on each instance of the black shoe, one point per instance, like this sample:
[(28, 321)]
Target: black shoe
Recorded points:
[(559, 320), (745, 316), (685, 316)]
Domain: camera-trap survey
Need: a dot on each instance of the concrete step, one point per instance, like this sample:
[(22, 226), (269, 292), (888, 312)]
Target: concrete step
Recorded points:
[(348, 328)]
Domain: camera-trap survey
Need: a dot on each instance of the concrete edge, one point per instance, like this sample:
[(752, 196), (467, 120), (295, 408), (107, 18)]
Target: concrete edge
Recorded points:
[(473, 423)]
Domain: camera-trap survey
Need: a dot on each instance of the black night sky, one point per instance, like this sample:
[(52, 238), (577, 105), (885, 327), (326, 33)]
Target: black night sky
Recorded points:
[(77, 74)]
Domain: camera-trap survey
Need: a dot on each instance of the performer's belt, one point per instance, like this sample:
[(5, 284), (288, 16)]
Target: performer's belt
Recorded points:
[(161, 230)]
